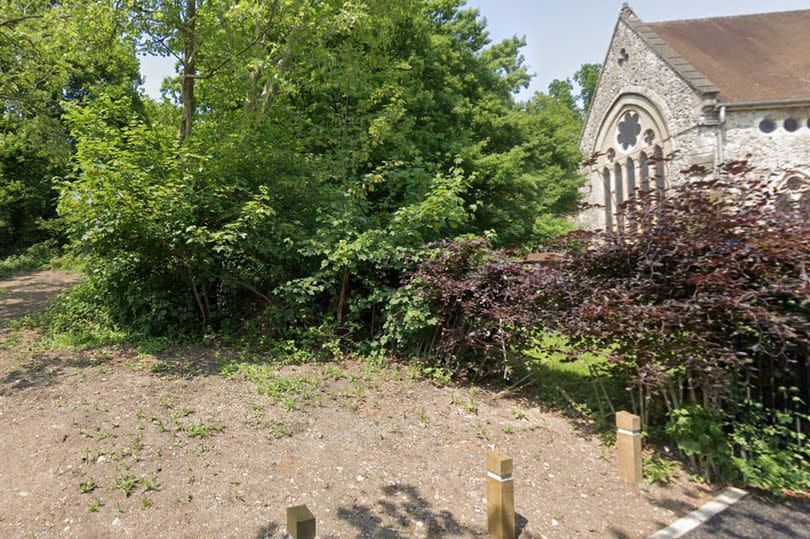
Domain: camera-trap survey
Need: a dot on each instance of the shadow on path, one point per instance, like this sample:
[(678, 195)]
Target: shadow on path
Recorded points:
[(30, 292), (400, 511), (758, 516)]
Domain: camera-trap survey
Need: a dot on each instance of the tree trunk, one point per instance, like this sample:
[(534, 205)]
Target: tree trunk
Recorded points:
[(344, 286), (187, 98)]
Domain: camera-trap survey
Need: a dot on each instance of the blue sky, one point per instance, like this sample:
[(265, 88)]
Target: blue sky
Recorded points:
[(561, 34)]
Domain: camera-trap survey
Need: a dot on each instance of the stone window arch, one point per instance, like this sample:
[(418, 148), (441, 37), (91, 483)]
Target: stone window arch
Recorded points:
[(630, 147)]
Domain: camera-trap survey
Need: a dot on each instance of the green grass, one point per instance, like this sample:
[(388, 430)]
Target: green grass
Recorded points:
[(88, 486), (572, 383), (292, 392), (127, 484), (34, 258), (202, 430)]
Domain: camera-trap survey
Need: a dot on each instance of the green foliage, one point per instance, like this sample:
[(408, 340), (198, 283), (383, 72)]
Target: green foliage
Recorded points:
[(127, 484), (774, 454), (35, 257), (88, 486), (661, 471), (586, 80), (699, 433), (53, 54), (332, 142)]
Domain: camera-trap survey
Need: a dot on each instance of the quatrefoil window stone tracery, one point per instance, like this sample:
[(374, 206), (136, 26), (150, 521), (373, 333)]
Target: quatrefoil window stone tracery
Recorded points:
[(629, 130)]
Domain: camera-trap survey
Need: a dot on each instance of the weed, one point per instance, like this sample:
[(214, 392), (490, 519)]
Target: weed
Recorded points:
[(95, 505), (127, 484), (438, 376), (202, 430), (519, 413), (507, 429), (481, 432), (182, 412), (167, 401), (277, 429), (146, 503), (471, 405), (661, 471), (423, 418), (88, 486), (161, 427), (151, 484)]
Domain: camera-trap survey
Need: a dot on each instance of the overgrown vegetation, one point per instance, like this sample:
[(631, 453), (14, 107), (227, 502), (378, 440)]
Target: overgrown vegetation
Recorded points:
[(336, 176), (702, 306)]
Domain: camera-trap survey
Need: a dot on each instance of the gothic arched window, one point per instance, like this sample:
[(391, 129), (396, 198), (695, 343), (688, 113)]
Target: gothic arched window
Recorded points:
[(619, 186), (644, 171), (660, 173), (608, 200), (630, 168)]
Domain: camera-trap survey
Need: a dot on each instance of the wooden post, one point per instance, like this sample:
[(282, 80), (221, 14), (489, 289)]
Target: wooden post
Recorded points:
[(628, 446), (500, 497), (300, 522)]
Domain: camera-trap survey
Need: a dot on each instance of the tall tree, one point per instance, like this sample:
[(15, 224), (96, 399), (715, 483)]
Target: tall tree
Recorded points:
[(52, 54)]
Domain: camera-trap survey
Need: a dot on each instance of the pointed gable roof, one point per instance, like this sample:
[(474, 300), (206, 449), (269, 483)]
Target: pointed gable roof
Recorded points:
[(746, 58)]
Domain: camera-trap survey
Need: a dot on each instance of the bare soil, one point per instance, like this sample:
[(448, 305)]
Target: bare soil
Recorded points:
[(113, 442)]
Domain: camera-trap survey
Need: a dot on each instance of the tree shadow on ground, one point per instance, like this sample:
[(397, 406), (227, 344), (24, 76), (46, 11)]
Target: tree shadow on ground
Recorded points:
[(30, 292), (400, 511), (758, 516), (41, 371), (268, 531)]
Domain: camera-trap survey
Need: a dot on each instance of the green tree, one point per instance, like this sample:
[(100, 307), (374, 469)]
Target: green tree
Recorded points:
[(331, 143), (52, 53)]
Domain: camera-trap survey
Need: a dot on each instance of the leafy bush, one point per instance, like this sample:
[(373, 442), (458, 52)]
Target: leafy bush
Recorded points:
[(702, 300), (313, 179)]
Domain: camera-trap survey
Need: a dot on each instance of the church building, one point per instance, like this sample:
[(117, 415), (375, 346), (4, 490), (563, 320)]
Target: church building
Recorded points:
[(676, 97)]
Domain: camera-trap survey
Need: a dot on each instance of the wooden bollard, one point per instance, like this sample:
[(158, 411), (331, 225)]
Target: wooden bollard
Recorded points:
[(500, 496), (628, 446), (300, 522)]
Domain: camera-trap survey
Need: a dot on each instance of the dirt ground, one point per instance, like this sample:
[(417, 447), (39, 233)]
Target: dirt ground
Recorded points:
[(29, 292), (114, 442)]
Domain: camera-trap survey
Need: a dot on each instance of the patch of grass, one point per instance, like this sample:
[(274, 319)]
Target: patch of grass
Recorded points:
[(471, 404), (519, 413), (94, 506), (277, 429), (146, 503), (423, 418), (127, 484), (183, 411), (292, 392), (332, 372), (508, 429), (151, 484), (85, 487), (573, 382), (34, 258), (202, 429)]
